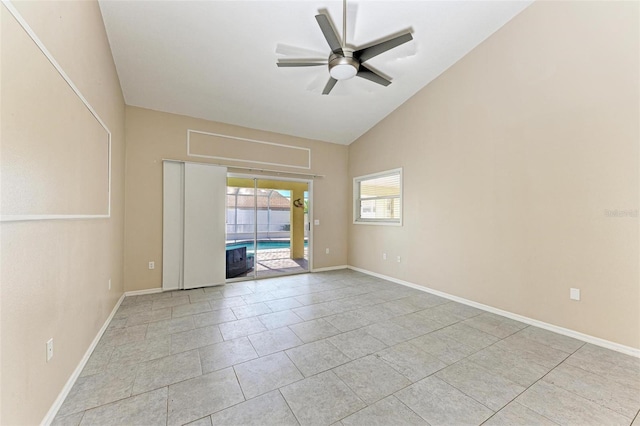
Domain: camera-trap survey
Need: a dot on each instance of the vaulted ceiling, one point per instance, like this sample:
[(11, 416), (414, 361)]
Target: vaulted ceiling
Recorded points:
[(217, 59)]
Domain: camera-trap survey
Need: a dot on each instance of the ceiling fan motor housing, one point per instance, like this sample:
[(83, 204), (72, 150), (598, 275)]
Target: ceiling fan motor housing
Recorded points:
[(343, 67)]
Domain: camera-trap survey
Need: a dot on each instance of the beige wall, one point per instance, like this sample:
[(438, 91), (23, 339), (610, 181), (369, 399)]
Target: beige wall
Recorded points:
[(511, 158), (153, 136), (54, 274)]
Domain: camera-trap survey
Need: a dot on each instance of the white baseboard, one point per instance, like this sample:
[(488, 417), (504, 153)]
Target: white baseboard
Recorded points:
[(141, 292), (330, 268), (51, 414), (628, 350)]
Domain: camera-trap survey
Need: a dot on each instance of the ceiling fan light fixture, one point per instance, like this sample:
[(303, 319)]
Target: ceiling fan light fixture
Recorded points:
[(343, 67), (343, 71)]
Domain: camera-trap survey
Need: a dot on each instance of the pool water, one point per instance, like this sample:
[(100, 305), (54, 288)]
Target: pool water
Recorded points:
[(263, 245)]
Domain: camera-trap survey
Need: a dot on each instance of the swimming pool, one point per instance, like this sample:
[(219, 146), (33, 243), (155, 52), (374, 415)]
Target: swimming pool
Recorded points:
[(263, 245)]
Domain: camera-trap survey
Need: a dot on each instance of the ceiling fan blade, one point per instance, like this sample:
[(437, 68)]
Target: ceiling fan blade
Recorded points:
[(352, 13), (371, 51), (298, 52), (370, 75), (332, 82), (317, 83), (329, 33), (300, 63)]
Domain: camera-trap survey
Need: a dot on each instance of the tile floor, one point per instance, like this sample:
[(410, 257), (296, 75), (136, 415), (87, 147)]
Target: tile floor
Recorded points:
[(271, 262), (340, 348)]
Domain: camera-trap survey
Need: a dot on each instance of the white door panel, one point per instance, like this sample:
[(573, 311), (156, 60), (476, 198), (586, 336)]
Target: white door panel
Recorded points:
[(204, 225)]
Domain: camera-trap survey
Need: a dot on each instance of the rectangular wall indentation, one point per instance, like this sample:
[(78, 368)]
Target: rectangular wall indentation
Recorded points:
[(222, 147)]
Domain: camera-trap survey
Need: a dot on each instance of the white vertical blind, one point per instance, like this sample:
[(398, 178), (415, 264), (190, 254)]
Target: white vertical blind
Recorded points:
[(205, 188), (193, 225), (378, 198), (172, 225)]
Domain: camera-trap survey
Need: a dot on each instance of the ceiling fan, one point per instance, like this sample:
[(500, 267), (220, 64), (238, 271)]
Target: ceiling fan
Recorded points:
[(344, 62)]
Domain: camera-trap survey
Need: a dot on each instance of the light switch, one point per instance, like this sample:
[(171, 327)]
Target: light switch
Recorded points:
[(316, 222), (574, 294)]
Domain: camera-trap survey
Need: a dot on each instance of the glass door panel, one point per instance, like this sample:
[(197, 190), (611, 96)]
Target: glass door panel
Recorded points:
[(241, 230), (281, 247), (276, 231)]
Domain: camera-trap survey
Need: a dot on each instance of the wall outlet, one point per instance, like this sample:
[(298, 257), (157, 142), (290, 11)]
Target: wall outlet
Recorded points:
[(574, 293), (398, 259), (152, 265), (326, 251), (316, 222), (384, 256), (49, 349), (109, 283)]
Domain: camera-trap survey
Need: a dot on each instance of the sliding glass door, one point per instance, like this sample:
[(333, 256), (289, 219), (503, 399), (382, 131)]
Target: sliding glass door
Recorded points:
[(267, 227)]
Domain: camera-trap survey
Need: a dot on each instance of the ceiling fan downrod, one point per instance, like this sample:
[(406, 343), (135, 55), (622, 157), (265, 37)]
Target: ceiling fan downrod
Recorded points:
[(343, 66), (344, 24)]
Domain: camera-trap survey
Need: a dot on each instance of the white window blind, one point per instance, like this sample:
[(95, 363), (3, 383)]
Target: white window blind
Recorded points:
[(378, 198)]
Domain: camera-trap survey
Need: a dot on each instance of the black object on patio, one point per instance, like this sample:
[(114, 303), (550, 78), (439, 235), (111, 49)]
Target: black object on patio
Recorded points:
[(238, 262)]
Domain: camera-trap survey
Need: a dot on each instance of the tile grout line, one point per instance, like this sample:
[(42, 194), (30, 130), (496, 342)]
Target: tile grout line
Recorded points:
[(578, 395), (467, 358), (235, 373), (166, 422), (405, 405), (315, 375), (288, 406), (534, 383), (579, 367)]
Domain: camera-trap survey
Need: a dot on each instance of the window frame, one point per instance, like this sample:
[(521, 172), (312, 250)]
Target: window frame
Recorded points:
[(357, 220)]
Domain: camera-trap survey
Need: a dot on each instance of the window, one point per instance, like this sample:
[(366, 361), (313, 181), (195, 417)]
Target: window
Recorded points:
[(377, 198)]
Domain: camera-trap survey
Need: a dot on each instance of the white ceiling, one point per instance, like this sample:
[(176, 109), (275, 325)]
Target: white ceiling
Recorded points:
[(216, 59)]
